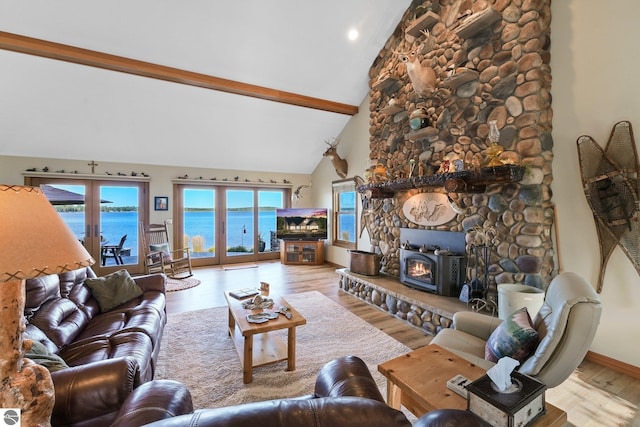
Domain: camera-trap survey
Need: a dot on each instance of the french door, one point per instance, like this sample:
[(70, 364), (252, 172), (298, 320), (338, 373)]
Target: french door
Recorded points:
[(104, 215), (226, 225)]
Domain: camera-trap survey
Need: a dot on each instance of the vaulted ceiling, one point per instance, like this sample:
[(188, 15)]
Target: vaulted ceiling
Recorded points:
[(283, 49)]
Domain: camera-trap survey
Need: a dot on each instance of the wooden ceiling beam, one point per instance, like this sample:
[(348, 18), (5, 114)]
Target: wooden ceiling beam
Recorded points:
[(62, 52)]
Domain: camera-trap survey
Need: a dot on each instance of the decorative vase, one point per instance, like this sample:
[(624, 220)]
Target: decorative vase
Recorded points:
[(419, 119)]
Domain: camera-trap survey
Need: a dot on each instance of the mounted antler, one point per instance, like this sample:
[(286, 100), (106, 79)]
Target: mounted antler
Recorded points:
[(295, 196), (339, 163)]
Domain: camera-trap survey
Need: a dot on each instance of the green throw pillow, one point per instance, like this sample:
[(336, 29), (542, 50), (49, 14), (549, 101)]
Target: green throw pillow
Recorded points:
[(41, 355), (113, 289), (515, 338)]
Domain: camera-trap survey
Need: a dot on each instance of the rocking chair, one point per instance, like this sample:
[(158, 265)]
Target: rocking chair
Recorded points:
[(159, 258)]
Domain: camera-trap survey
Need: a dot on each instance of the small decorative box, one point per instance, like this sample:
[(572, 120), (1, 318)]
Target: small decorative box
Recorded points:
[(517, 408)]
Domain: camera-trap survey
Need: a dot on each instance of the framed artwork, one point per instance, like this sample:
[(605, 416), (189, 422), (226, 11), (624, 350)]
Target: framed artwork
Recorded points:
[(161, 203)]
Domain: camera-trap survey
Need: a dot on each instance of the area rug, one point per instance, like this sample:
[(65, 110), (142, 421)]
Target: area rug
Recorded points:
[(197, 351), (173, 285)]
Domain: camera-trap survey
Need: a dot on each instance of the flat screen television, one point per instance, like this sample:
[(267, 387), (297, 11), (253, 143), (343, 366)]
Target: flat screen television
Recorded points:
[(301, 224)]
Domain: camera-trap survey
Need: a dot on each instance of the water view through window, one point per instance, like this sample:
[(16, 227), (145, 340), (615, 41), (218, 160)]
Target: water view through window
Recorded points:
[(118, 216), (249, 219), (199, 219)]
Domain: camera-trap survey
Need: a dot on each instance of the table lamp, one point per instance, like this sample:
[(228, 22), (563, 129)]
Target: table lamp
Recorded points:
[(34, 241)]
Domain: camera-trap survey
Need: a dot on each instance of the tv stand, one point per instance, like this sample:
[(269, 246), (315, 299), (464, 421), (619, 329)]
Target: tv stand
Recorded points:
[(310, 252)]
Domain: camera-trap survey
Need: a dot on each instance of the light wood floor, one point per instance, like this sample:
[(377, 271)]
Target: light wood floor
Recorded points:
[(592, 396)]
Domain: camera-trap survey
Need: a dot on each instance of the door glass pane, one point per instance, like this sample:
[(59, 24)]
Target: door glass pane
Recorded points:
[(239, 229), (268, 202), (69, 202), (119, 220), (199, 221)]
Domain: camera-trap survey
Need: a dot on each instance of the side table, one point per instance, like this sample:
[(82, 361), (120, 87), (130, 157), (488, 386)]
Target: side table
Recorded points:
[(418, 381)]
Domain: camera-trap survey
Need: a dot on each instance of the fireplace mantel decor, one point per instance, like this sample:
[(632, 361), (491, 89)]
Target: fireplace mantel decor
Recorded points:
[(466, 181)]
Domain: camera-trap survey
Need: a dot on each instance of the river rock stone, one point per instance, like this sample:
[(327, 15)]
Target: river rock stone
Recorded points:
[(497, 203), (508, 265), (534, 280), (391, 303), (531, 195), (532, 176), (529, 264), (513, 87)]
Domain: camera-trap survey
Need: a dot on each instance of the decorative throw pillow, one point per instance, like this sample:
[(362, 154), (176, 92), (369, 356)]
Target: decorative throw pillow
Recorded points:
[(113, 289), (41, 355), (515, 338), (164, 250)]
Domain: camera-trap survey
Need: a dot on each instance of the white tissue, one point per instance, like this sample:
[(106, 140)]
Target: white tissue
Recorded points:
[(500, 374)]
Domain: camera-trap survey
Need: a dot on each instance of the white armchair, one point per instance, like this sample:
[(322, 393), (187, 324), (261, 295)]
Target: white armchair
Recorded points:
[(566, 324)]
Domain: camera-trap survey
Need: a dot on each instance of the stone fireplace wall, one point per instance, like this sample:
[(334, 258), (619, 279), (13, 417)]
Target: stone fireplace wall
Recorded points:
[(496, 71)]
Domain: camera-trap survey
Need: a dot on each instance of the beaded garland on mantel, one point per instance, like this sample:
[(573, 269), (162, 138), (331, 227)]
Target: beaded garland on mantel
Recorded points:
[(497, 70)]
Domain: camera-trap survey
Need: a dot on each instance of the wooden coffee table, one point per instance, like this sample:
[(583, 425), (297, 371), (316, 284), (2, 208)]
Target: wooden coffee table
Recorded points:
[(418, 381), (256, 347)]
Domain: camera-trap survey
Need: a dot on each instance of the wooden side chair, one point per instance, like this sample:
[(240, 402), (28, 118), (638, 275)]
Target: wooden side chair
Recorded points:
[(113, 251), (159, 257)]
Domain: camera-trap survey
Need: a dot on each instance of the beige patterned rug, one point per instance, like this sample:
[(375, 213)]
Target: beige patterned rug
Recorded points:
[(173, 285), (197, 351)]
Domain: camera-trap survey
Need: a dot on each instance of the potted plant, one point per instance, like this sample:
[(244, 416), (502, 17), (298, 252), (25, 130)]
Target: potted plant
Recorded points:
[(262, 245)]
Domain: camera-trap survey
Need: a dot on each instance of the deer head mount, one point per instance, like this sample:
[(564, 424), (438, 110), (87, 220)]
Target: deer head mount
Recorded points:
[(339, 164), (423, 78)]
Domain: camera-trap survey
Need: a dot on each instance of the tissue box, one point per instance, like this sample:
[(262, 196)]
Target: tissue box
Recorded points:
[(517, 409)]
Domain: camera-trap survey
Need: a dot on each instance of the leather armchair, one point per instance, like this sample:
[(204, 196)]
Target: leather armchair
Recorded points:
[(566, 324)]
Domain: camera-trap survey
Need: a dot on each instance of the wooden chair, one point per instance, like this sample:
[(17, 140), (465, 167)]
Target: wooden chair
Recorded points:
[(159, 257), (113, 251)]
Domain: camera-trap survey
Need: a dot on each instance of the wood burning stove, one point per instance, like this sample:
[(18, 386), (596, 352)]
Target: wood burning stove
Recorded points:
[(433, 261), (442, 274)]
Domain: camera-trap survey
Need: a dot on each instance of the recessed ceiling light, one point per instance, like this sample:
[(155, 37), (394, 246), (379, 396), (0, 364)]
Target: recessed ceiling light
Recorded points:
[(353, 34)]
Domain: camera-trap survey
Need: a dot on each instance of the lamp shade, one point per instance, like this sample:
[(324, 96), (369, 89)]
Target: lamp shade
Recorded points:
[(34, 240)]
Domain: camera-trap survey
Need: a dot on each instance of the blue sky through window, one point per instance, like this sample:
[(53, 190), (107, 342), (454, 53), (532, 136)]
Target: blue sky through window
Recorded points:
[(128, 196)]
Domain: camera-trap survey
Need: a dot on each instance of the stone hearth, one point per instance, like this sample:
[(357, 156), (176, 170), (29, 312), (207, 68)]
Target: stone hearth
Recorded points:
[(421, 309)]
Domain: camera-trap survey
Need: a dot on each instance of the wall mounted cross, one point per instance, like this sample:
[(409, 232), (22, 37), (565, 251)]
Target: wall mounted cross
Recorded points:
[(93, 165)]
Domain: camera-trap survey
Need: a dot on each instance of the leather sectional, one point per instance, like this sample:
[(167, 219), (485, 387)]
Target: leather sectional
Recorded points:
[(345, 395), (108, 354)]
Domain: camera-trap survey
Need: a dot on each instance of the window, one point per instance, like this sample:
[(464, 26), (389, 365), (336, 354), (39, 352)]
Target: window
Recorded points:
[(344, 213), (104, 215), (228, 224)]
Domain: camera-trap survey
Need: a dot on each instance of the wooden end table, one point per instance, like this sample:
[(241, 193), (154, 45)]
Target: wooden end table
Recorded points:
[(265, 348), (418, 381)]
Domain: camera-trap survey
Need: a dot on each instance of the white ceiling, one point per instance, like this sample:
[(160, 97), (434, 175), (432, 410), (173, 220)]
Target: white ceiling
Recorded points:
[(56, 109)]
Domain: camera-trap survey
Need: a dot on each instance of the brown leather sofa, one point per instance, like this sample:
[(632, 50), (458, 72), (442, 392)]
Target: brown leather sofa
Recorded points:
[(152, 401), (108, 354), (345, 395)]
